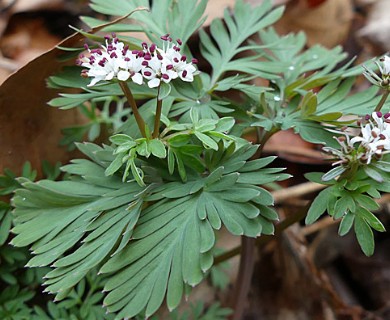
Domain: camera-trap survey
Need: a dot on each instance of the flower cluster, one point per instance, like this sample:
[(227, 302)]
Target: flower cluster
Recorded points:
[(383, 80), (373, 140), (151, 64)]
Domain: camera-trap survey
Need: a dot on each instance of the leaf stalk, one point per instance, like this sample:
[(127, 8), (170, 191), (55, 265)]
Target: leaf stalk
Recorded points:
[(130, 98), (158, 116), (382, 101)]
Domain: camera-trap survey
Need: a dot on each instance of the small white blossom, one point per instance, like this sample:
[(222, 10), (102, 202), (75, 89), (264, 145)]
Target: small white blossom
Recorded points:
[(167, 63), (382, 80), (373, 140), (385, 68), (153, 64), (114, 60), (375, 135)]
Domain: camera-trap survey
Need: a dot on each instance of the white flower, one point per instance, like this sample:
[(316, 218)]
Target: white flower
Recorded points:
[(386, 66), (114, 60), (167, 63), (375, 135), (381, 80), (373, 140), (187, 72), (156, 65)]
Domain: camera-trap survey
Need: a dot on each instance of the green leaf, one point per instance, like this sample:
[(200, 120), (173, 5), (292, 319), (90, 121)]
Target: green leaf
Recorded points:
[(382, 165), (164, 90), (364, 236), (333, 174), (314, 132), (371, 219), (115, 165), (317, 178), (5, 226), (171, 161), (157, 148), (120, 139), (143, 148), (319, 205), (136, 172), (227, 38), (206, 140), (342, 205), (170, 241), (346, 223), (367, 202), (308, 104), (374, 174), (54, 216)]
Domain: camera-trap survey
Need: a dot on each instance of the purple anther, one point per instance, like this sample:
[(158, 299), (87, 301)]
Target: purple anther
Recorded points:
[(113, 55), (148, 57), (145, 63), (379, 114), (165, 76), (159, 57), (183, 58), (184, 74), (169, 66), (165, 37), (147, 73), (176, 60), (152, 48), (179, 42), (194, 61)]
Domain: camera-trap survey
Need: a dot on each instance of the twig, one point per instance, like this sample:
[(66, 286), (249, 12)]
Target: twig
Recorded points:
[(243, 281), (8, 64), (321, 224), (299, 190)]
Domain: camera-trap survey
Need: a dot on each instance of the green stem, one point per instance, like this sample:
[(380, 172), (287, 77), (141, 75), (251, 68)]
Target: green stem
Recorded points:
[(156, 129), (382, 101), (130, 98)]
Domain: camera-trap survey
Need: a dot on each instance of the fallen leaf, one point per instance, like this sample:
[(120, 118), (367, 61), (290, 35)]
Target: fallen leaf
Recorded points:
[(29, 129)]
